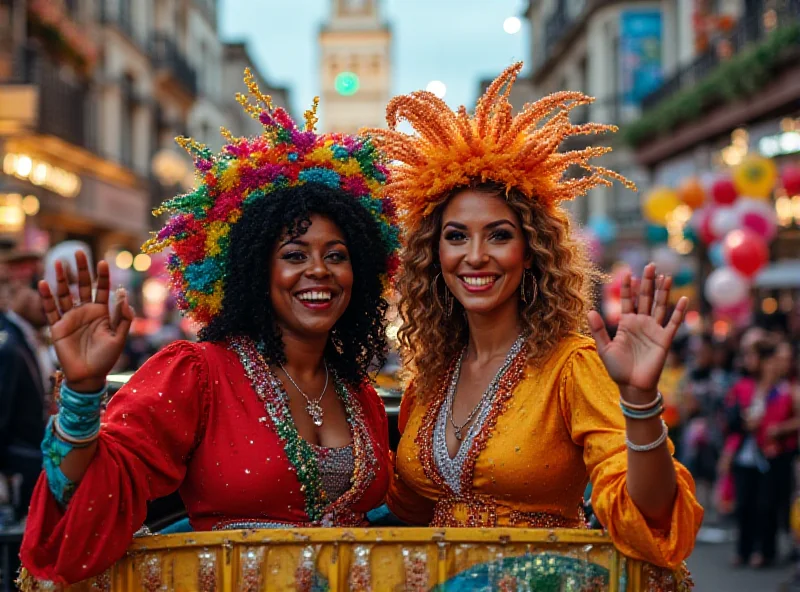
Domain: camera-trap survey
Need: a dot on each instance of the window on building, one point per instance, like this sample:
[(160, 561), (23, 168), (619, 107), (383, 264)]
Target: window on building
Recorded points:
[(127, 120)]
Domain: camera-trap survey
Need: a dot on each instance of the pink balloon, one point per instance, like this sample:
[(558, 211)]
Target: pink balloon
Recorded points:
[(759, 216), (790, 178), (763, 227)]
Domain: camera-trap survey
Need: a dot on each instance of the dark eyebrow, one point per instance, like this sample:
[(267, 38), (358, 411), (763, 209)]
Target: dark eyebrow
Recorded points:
[(299, 241), (491, 225)]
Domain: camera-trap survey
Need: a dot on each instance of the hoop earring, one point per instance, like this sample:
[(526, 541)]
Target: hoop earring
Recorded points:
[(523, 292), (447, 307)]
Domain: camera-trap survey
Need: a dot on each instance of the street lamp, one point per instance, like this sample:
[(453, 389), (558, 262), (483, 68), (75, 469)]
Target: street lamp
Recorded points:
[(169, 167)]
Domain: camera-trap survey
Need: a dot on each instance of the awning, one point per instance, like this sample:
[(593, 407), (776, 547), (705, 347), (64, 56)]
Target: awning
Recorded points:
[(781, 274)]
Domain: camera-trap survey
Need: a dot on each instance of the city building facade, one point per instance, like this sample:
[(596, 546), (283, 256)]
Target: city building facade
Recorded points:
[(355, 66)]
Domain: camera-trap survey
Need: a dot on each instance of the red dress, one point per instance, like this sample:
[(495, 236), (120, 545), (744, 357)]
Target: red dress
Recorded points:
[(192, 420)]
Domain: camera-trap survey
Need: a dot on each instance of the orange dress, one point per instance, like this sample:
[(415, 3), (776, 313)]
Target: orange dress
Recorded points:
[(550, 429)]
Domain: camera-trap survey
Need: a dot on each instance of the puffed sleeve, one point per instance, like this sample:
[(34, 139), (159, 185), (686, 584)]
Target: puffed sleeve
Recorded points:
[(404, 502), (590, 404), (149, 431)]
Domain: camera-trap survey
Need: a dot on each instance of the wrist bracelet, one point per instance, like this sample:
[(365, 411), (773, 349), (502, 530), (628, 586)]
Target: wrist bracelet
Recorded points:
[(78, 442), (653, 445), (646, 407), (632, 414), (78, 419)]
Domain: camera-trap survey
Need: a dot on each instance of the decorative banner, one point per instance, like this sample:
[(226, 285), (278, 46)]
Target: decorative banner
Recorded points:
[(659, 204), (724, 191), (640, 55), (725, 287), (692, 193), (746, 252), (755, 176)]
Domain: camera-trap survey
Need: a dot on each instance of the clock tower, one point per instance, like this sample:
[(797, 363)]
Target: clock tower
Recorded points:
[(355, 66)]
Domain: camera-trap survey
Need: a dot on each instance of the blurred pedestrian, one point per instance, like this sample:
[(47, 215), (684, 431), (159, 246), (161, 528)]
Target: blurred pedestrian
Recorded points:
[(22, 385), (762, 444)]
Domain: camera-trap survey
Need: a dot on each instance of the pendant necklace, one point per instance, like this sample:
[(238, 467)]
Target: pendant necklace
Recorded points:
[(313, 407)]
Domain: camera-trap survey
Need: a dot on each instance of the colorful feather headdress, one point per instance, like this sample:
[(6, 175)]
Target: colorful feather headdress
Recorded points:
[(249, 169), (451, 150)]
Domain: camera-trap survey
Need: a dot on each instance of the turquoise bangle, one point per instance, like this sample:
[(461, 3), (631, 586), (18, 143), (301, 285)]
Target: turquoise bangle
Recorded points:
[(633, 414), (79, 414)]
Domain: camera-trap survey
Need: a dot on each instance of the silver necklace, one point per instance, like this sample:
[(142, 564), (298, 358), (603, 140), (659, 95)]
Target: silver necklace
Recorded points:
[(488, 393), (313, 408)]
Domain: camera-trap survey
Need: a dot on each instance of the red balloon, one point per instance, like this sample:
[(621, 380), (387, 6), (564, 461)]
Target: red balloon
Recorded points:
[(746, 251), (790, 179), (724, 191), (706, 234)]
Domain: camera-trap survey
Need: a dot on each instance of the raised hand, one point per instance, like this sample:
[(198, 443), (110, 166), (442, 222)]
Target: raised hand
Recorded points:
[(636, 355), (88, 341)]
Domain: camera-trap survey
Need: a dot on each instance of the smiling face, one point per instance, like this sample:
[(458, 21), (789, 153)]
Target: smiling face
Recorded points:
[(311, 279), (482, 251)]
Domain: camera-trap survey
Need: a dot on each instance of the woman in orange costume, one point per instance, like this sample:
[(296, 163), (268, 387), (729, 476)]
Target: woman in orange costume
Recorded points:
[(511, 409)]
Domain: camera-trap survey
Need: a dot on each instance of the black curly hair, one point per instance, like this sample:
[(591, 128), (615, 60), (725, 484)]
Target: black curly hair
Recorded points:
[(358, 340)]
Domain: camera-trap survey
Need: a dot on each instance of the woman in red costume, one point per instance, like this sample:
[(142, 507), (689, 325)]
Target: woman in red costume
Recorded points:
[(281, 254)]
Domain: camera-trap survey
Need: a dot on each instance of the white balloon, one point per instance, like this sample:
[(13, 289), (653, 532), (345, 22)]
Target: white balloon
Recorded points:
[(724, 219), (726, 287), (667, 261), (759, 206), (65, 252)]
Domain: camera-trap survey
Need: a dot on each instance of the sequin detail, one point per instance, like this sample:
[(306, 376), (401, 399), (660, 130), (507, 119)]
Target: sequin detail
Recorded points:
[(462, 507), (336, 466), (321, 510), (451, 468)]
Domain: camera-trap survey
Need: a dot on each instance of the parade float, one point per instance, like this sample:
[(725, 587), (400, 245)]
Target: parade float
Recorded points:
[(393, 559)]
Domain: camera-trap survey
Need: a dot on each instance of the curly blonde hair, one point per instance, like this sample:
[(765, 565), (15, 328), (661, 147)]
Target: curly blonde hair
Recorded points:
[(430, 339)]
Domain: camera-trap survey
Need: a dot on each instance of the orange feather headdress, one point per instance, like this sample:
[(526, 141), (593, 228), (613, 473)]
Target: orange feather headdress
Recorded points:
[(520, 151)]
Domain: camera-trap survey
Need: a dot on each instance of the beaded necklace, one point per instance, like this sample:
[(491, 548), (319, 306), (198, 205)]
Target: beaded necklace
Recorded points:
[(301, 454)]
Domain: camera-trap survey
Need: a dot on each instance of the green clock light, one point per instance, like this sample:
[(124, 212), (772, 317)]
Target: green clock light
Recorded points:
[(346, 83)]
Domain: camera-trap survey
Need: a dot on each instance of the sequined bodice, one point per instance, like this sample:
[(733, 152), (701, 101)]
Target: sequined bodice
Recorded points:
[(451, 468), (336, 467)]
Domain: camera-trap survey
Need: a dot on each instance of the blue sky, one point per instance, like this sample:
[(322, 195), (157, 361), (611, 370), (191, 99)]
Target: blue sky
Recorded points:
[(458, 42)]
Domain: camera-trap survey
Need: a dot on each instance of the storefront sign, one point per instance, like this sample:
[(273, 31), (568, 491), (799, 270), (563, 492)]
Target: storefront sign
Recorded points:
[(639, 54), (42, 174)]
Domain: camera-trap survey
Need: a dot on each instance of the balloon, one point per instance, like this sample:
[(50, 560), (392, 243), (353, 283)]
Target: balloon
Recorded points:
[(667, 261), (684, 277), (614, 287), (723, 220), (690, 234), (656, 234), (603, 228), (746, 252), (790, 179), (659, 204), (692, 192), (706, 231), (726, 287), (593, 245), (759, 216), (716, 254), (724, 191), (755, 176)]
